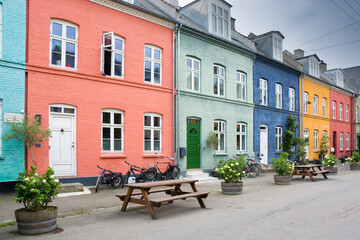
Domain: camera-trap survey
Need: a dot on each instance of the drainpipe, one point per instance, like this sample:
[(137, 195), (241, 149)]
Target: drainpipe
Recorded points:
[(301, 105), (173, 94), (177, 88)]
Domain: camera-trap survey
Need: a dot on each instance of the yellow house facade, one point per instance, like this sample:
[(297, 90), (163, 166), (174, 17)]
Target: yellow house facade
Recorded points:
[(315, 114)]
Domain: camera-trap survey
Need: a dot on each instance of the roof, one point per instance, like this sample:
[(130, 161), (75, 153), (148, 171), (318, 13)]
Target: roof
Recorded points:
[(313, 55), (254, 36)]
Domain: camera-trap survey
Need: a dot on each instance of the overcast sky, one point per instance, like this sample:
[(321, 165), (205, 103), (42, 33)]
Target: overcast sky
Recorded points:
[(302, 21)]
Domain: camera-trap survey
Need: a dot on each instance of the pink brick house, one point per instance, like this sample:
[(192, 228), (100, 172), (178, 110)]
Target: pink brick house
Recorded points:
[(100, 75)]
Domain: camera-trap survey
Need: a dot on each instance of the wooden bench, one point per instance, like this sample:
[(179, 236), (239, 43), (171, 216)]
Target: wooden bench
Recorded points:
[(315, 173), (159, 201), (310, 170), (166, 190)]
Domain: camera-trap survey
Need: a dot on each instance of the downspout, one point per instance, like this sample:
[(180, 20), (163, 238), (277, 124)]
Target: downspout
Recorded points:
[(173, 93), (177, 89), (301, 105)]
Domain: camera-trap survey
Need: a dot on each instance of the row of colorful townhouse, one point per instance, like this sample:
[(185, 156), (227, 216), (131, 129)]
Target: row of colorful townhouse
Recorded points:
[(141, 79)]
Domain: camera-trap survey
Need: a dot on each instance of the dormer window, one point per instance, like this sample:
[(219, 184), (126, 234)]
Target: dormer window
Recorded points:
[(220, 21), (129, 1), (314, 68), (277, 48), (339, 79)]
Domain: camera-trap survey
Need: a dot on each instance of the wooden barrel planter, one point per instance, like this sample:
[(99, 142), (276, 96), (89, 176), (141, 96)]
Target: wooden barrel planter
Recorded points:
[(333, 170), (354, 167), (282, 180), (30, 223), (232, 188)]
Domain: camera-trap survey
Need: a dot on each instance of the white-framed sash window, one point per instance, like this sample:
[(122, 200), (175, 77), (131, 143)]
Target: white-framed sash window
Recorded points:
[(278, 94), (192, 74), (341, 111), (347, 113), (152, 64), (219, 80), (279, 138), (316, 140), (152, 132), (324, 107), (334, 110), (220, 131), (241, 86), (112, 130), (305, 102), (315, 105), (112, 62), (263, 92), (241, 137), (291, 99)]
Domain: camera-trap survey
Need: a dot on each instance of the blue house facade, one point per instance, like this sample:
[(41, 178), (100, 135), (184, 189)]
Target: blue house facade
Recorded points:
[(276, 95), (12, 83)]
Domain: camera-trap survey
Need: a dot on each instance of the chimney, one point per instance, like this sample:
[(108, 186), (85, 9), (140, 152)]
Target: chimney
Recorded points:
[(299, 53), (233, 23), (322, 66), (173, 2)]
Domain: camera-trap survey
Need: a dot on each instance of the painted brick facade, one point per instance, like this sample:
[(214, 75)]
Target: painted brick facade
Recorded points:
[(12, 83)]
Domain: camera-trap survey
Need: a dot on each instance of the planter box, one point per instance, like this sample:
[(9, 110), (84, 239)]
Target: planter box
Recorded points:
[(333, 170), (282, 180), (354, 167), (232, 188)]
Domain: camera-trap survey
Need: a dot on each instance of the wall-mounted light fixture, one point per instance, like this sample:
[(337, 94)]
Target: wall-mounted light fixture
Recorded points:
[(308, 102), (38, 118)]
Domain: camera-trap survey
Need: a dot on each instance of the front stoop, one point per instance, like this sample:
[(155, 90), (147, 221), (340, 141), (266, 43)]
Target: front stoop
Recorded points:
[(71, 189), (199, 175)]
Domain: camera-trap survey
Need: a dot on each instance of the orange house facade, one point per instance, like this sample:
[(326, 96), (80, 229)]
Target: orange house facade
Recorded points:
[(100, 78)]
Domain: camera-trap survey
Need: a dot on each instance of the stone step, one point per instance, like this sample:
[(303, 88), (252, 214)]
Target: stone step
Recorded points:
[(71, 187)]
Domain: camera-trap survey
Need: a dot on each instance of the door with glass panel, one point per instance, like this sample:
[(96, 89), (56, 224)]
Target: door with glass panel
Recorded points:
[(193, 143)]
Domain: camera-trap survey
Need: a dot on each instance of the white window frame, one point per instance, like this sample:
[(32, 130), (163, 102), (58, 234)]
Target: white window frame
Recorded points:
[(347, 113), (277, 48), (263, 92), (324, 136), (241, 85), (315, 105), (341, 141), (219, 21), (193, 72), (112, 127), (1, 126), (1, 34), (64, 40), (314, 68), (356, 114), (324, 107), (220, 131), (347, 141), (241, 136), (113, 51), (305, 102), (334, 110), (153, 61), (278, 95), (316, 140), (291, 99), (218, 77), (152, 128), (341, 111), (279, 138)]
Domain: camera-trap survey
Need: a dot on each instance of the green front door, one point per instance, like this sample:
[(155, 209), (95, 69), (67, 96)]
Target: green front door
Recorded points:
[(193, 143)]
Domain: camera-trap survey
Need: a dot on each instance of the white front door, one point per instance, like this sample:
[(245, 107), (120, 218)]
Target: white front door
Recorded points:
[(264, 144), (306, 135), (62, 142)]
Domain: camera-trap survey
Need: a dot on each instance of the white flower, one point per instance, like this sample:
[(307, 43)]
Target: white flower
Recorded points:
[(26, 179), (44, 181), (52, 176), (36, 174), (56, 180)]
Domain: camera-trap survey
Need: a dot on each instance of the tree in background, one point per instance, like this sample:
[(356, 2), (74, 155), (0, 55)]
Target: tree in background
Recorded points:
[(290, 140)]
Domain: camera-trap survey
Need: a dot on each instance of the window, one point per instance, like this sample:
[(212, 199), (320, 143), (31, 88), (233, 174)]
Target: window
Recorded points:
[(316, 140), (334, 110), (152, 132), (291, 99), (219, 129), (324, 141), (278, 95), (341, 141), (357, 114), (314, 68), (347, 141), (263, 92), (129, 1), (241, 85), (347, 113), (152, 64), (0, 38), (241, 137), (63, 43), (112, 125), (113, 55), (277, 48), (0, 123), (315, 105), (220, 21), (341, 111), (305, 101), (193, 74), (219, 80), (324, 107), (279, 133)]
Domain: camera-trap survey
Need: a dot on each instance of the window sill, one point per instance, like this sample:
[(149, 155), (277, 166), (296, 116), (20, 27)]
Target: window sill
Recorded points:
[(220, 154), (153, 155), (112, 155), (278, 152)]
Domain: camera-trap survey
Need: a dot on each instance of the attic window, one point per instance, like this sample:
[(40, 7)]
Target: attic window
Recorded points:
[(129, 1), (220, 21), (277, 48), (314, 68)]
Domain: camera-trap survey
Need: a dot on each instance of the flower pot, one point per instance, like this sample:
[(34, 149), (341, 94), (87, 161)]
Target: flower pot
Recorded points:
[(232, 188), (282, 180), (30, 223), (354, 166), (333, 170)]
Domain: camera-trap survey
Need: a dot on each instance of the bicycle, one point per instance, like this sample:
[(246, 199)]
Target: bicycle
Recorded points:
[(263, 167), (252, 170), (144, 174), (108, 177), (172, 170)]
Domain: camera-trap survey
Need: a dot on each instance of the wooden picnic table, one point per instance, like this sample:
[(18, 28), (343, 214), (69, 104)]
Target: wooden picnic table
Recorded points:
[(169, 187), (310, 170)]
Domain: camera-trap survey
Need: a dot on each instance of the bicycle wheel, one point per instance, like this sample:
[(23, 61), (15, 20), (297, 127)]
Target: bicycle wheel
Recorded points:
[(125, 179), (263, 169), (98, 183), (253, 170), (174, 173), (149, 175), (116, 182)]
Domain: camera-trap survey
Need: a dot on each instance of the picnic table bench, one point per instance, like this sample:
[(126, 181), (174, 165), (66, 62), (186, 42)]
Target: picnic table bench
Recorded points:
[(172, 189), (310, 170)]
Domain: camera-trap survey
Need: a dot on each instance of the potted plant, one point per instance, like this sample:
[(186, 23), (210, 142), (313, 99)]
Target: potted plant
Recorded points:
[(283, 169), (329, 163), (232, 172), (354, 161), (35, 191), (212, 141)]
